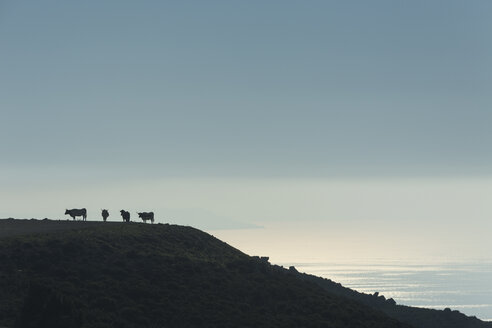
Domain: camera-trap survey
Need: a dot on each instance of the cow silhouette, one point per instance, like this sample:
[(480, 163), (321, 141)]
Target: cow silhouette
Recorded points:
[(125, 215), (146, 216), (105, 215), (74, 212)]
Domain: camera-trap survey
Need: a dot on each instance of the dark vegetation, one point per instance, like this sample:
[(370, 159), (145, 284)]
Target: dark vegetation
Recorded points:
[(137, 275)]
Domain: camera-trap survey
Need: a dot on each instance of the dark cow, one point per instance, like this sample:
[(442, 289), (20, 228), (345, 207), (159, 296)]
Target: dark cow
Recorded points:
[(105, 215), (125, 215), (77, 212), (146, 216)]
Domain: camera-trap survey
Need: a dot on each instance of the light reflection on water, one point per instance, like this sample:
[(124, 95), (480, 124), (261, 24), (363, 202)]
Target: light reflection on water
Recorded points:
[(425, 273), (466, 287)]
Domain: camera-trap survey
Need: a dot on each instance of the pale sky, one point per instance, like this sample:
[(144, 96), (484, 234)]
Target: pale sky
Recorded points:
[(234, 114)]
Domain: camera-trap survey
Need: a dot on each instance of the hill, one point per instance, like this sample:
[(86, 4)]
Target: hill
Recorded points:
[(137, 275), (95, 274)]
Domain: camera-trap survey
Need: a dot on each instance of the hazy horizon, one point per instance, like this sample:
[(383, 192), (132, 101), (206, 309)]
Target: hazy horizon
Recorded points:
[(359, 119)]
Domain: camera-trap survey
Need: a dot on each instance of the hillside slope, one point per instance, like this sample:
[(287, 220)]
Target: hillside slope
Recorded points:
[(136, 275), (417, 317)]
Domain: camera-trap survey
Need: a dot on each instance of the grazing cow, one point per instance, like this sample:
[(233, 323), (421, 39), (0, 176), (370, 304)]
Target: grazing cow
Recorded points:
[(146, 216), (105, 215), (77, 212), (125, 215)]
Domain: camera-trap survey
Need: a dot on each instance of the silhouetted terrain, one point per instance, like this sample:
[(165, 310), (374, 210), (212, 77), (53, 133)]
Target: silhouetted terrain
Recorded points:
[(417, 317), (96, 274), (12, 227)]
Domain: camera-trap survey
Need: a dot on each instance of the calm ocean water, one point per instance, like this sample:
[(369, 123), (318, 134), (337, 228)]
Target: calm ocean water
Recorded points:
[(466, 287), (428, 272)]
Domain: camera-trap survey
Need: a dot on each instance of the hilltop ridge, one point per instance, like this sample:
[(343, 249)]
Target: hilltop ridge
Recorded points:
[(138, 275)]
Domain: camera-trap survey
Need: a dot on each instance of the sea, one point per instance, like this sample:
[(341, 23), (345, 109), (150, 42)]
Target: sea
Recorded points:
[(463, 286), (426, 278)]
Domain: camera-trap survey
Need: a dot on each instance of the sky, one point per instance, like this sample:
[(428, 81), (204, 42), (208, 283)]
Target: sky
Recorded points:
[(372, 117)]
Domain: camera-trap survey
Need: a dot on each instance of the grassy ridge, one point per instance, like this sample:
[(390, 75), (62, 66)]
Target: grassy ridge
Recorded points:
[(136, 275)]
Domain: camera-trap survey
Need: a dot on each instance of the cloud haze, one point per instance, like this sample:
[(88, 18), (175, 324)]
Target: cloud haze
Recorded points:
[(133, 101)]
